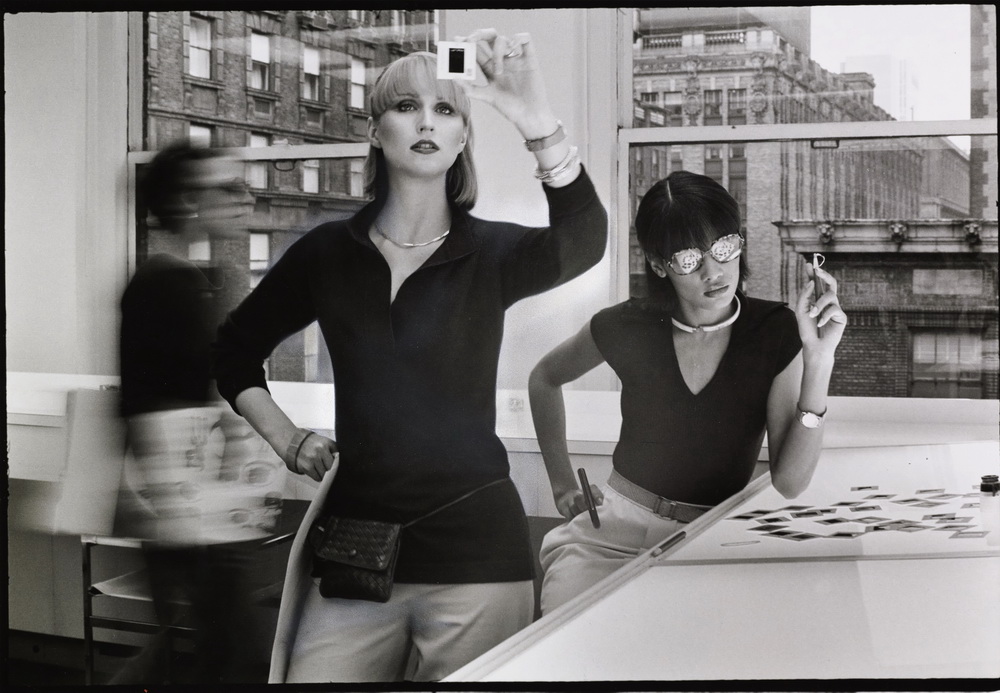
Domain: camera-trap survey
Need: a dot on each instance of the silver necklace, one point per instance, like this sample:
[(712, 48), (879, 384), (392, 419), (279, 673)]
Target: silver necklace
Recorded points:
[(378, 229), (709, 328)]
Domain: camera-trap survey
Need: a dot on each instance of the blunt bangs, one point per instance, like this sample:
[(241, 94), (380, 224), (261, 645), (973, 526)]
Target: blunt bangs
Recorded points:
[(415, 71), (685, 210)]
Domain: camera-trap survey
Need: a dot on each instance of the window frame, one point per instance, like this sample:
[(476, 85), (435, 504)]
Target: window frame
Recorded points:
[(310, 168), (742, 134), (352, 84), (627, 134), (317, 82), (209, 23), (268, 80)]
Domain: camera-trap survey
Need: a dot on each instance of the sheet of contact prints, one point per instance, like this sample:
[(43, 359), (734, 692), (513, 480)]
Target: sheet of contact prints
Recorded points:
[(863, 502)]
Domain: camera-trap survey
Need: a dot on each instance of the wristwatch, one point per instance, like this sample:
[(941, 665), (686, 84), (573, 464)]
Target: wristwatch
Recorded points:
[(810, 419)]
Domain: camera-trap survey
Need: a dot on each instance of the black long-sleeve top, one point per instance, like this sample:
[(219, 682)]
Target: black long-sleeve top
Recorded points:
[(168, 323), (416, 378)]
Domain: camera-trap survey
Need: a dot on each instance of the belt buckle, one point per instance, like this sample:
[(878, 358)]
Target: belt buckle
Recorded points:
[(671, 508)]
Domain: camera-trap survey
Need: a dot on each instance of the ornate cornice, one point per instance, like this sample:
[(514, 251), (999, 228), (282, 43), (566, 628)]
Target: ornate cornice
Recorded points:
[(890, 236)]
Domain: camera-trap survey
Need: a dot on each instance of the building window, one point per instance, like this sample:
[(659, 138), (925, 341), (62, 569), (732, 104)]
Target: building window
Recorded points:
[(357, 178), (673, 104), (737, 111), (257, 170), (310, 73), (649, 97), (200, 135), (310, 175), (713, 107), (260, 61), (713, 163), (359, 73), (947, 364), (200, 48), (260, 257)]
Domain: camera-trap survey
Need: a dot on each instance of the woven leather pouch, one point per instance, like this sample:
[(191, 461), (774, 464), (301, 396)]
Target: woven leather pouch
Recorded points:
[(357, 558)]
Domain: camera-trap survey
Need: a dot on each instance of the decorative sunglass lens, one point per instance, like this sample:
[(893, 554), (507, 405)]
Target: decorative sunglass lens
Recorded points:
[(687, 261), (726, 248)]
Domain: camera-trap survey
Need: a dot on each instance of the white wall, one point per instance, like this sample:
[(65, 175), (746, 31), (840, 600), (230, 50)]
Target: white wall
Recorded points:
[(578, 53), (65, 185)]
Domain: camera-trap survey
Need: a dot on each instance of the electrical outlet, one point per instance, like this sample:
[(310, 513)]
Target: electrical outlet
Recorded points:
[(515, 404)]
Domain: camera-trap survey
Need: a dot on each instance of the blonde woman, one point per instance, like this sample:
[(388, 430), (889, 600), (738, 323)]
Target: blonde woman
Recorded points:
[(410, 295)]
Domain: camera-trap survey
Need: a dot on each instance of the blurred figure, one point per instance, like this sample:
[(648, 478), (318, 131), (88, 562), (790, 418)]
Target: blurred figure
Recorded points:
[(203, 498)]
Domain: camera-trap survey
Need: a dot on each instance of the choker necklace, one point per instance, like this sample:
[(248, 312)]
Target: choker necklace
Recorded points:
[(381, 233), (709, 328)]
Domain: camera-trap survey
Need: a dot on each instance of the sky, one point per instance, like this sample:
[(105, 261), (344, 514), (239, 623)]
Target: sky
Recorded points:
[(933, 38)]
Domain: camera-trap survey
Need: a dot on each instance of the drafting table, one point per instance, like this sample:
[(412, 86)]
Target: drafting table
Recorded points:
[(740, 595)]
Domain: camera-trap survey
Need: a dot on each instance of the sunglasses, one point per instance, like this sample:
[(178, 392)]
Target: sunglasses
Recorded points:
[(725, 249)]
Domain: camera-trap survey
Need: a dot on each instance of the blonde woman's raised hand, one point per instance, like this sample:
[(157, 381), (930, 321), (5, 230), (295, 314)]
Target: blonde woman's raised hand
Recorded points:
[(513, 81)]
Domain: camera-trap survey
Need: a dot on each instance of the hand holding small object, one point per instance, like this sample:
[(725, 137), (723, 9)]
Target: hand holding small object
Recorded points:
[(514, 84), (819, 307), (572, 502)]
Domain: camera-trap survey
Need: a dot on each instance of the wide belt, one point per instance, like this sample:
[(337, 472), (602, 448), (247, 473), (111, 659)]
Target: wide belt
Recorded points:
[(664, 507)]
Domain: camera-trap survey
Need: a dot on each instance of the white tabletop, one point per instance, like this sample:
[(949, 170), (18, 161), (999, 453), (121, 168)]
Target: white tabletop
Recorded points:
[(882, 604)]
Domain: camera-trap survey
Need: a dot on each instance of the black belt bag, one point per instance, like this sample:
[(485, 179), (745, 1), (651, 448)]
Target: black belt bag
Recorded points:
[(357, 558)]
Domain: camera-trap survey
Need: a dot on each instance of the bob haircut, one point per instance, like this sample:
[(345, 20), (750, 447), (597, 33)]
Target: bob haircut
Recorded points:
[(684, 210), (397, 80), (166, 178)]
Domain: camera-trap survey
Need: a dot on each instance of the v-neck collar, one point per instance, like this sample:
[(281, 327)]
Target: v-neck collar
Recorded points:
[(739, 326)]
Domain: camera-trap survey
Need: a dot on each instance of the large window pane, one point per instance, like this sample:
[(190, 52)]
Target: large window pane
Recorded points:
[(286, 77), (908, 225), (915, 256)]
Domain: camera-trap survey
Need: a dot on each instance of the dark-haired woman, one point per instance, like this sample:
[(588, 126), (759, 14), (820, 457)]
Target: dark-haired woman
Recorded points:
[(705, 370), (410, 296)]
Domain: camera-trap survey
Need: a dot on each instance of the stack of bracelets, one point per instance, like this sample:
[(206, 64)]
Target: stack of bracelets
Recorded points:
[(561, 169)]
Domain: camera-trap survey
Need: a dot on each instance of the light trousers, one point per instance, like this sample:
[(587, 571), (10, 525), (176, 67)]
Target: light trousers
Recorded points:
[(576, 555), (436, 629)]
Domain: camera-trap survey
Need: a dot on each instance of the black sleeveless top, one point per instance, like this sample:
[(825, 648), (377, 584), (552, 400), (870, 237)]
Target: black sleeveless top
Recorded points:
[(693, 448)]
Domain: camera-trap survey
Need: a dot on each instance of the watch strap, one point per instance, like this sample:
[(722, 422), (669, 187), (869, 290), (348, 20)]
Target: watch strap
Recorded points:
[(804, 414)]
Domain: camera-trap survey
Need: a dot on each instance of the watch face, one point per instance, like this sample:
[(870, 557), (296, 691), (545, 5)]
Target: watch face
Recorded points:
[(809, 420)]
